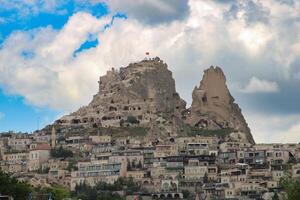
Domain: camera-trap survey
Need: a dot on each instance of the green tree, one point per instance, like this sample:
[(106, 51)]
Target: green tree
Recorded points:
[(11, 186), (72, 165), (102, 191), (291, 187), (61, 153), (59, 192), (186, 194), (132, 120)]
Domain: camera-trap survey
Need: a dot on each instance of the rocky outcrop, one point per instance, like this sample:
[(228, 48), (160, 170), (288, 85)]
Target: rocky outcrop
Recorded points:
[(143, 95), (213, 106)]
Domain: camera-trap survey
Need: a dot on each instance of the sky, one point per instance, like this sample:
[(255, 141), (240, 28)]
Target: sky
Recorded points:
[(52, 53)]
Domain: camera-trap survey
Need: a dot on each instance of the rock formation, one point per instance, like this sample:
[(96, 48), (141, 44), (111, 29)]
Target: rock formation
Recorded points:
[(139, 94), (213, 106), (143, 95)]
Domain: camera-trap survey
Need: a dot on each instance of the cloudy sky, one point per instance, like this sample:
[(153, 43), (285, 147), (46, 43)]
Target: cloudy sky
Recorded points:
[(52, 53)]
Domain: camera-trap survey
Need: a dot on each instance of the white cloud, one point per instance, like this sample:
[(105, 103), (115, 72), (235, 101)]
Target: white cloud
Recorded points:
[(151, 12), (268, 128), (42, 69), (2, 115), (292, 135), (257, 85), (50, 76), (30, 7)]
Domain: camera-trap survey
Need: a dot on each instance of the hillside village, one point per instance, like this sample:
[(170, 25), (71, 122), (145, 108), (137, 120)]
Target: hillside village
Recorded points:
[(137, 127)]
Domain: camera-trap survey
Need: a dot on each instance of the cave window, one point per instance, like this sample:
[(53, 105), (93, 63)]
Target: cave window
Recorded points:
[(75, 121), (112, 101), (111, 108), (104, 118), (126, 108)]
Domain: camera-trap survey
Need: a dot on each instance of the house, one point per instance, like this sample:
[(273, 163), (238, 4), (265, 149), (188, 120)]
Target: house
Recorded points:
[(38, 156), (92, 173)]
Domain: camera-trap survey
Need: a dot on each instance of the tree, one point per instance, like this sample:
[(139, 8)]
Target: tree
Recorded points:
[(61, 153), (291, 187), (132, 120), (11, 186), (59, 192), (186, 194), (72, 165), (102, 191)]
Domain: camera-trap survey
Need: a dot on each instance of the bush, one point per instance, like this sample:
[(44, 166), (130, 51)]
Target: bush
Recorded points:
[(102, 191), (61, 153), (72, 165), (57, 192), (11, 186), (132, 120), (186, 194), (291, 187)]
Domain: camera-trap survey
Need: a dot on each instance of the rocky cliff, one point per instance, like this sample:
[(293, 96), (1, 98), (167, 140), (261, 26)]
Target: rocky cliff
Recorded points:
[(143, 94), (213, 106)]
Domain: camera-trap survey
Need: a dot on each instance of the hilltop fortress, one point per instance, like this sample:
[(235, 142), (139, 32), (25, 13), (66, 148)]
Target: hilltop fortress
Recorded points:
[(143, 94)]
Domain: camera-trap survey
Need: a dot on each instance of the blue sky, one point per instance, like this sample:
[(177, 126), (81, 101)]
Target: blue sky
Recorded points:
[(16, 113), (53, 52)]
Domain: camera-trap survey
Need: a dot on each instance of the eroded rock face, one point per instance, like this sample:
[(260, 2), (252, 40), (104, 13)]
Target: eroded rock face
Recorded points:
[(143, 94), (213, 106), (144, 91)]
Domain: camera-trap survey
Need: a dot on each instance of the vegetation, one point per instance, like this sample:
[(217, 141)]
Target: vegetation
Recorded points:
[(132, 120), (125, 131), (291, 187), (61, 153), (186, 194), (72, 165), (12, 187), (105, 191), (193, 131), (57, 193)]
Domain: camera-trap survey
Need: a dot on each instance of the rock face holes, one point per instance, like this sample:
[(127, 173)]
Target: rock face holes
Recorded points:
[(111, 108), (75, 121)]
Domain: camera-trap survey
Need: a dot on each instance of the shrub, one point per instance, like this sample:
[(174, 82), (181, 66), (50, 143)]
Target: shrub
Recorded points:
[(132, 120), (61, 153)]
